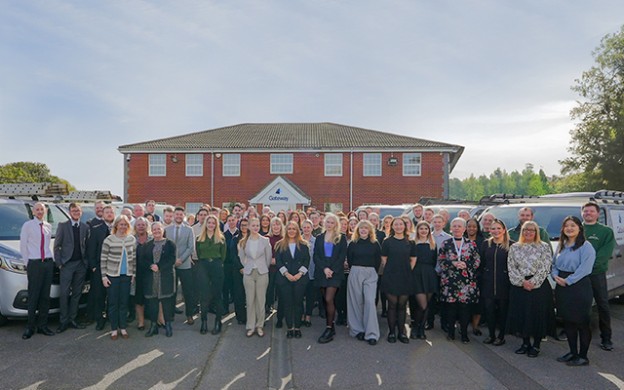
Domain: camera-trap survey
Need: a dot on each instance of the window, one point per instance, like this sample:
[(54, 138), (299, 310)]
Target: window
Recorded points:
[(281, 163), (192, 207), (333, 164), (231, 165), (372, 164), (411, 164), (158, 165), (194, 165), (333, 207)]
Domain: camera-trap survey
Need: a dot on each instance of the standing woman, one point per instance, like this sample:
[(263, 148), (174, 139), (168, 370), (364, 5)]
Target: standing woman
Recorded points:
[(142, 234), (282, 216), (398, 257), (276, 233), (118, 264), (254, 252), (265, 225), (530, 297), (410, 230), (341, 295), (330, 251), (311, 295), (294, 216), (292, 259), (458, 259), (210, 248), (155, 261), (495, 284), (364, 257), (425, 279), (473, 233), (573, 264)]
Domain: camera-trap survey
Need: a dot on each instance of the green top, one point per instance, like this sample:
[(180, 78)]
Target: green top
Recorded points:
[(603, 240), (209, 249), (514, 234)]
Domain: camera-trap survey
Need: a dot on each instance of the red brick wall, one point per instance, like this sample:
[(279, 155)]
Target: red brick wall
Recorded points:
[(390, 188)]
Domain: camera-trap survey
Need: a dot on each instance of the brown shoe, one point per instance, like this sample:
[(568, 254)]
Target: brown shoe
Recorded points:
[(190, 321), (124, 334), (114, 336)]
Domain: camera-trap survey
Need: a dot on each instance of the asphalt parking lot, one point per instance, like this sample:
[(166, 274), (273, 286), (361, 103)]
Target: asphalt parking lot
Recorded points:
[(88, 359)]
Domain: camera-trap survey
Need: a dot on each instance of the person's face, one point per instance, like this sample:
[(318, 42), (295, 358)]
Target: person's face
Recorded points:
[(362, 216), (315, 219), (352, 224), (122, 227), (590, 214), (150, 206), (149, 217), (525, 215), (244, 227), (99, 208), (330, 224), (211, 224), (457, 228), (487, 221), (465, 215), (344, 225), (423, 231), (237, 211), (140, 226), (168, 217), (471, 228), (178, 216), (444, 215), (408, 223), (496, 230), (127, 213), (292, 231), (157, 231), (398, 225), (387, 223), (374, 219), (108, 215), (438, 224), (307, 229), (571, 230), (294, 217), (265, 222), (418, 212), (363, 231), (201, 217), (529, 233), (254, 226), (138, 211), (276, 228), (223, 215), (39, 211), (75, 213), (429, 215), (232, 222)]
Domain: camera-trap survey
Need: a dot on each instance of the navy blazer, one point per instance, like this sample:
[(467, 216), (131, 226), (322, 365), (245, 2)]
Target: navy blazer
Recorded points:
[(292, 264), (335, 262), (64, 242), (97, 235)]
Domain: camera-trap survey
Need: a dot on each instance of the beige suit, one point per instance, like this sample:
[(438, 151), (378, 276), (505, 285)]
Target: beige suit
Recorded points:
[(255, 279)]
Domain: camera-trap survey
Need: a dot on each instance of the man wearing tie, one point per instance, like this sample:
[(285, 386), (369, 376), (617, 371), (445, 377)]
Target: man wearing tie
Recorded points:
[(37, 255), (184, 238), (69, 256)]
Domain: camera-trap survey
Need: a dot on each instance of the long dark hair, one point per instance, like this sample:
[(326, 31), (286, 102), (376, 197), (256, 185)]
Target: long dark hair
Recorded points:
[(580, 239)]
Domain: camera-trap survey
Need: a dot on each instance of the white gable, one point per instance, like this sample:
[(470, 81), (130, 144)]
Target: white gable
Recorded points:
[(280, 191)]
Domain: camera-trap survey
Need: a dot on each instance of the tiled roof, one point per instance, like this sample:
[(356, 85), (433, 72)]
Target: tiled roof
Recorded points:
[(298, 136)]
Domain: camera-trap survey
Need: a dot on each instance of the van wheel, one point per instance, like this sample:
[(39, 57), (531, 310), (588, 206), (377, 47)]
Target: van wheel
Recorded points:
[(3, 320)]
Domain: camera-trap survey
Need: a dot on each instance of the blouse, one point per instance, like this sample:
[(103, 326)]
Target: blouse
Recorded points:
[(580, 262), (530, 261)]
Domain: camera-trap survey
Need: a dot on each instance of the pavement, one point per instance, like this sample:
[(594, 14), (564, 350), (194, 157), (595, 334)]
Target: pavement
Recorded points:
[(89, 359)]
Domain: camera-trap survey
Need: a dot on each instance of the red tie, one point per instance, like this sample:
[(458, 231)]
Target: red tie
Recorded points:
[(42, 247)]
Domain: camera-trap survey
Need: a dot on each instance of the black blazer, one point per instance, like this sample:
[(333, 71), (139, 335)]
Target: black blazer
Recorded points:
[(145, 258), (335, 262), (292, 264), (97, 235), (64, 242)]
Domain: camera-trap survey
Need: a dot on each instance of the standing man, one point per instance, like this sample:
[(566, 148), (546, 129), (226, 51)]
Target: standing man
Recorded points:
[(36, 254), (526, 214), (97, 295), (315, 217), (99, 208), (418, 210), (167, 216), (69, 255), (603, 240), (428, 215), (231, 272), (150, 207), (184, 238)]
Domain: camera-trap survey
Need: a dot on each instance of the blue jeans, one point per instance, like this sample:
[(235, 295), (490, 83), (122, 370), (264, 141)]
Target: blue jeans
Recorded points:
[(118, 297)]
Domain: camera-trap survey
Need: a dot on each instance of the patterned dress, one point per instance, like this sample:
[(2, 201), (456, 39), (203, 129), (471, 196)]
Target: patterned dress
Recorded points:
[(459, 285)]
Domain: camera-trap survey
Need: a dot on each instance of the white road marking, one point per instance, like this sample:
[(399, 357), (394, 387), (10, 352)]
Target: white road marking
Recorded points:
[(237, 377), (34, 386), (140, 361), (170, 386), (286, 380), (103, 335), (176, 356), (331, 380), (309, 346), (429, 342), (613, 379), (379, 381), (83, 336), (264, 354), (227, 317)]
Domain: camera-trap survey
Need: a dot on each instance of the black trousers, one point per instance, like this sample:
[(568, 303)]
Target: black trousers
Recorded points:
[(72, 275), (311, 296), (496, 316), (457, 311), (228, 286), (152, 306), (238, 292), (187, 281), (270, 292), (341, 299), (210, 280), (291, 298), (601, 296), (96, 304), (39, 274)]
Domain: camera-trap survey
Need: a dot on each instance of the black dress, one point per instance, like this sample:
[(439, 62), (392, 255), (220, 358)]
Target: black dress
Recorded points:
[(335, 262), (425, 276), (398, 277)]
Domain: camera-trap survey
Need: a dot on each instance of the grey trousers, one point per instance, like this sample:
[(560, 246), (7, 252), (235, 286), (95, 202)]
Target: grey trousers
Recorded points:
[(72, 276), (361, 308), (255, 295)]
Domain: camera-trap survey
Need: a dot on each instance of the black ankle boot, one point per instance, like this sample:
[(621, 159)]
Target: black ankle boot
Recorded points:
[(421, 331), (168, 329), (327, 336), (217, 326), (153, 330), (203, 329)]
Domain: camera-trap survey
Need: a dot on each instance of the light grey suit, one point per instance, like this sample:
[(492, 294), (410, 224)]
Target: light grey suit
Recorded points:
[(73, 269), (256, 279), (184, 238)]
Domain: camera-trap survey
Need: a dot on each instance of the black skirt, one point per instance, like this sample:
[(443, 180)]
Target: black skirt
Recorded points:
[(426, 279), (574, 302), (531, 313)]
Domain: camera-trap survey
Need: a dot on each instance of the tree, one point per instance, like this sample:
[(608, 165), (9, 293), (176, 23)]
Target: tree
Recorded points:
[(29, 172), (597, 145)]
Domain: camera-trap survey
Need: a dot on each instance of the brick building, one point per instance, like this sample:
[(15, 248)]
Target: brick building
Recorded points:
[(288, 165)]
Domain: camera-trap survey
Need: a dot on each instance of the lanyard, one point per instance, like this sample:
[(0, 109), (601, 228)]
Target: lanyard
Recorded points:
[(458, 249)]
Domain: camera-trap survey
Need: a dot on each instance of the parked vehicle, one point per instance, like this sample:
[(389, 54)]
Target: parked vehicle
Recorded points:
[(384, 209)]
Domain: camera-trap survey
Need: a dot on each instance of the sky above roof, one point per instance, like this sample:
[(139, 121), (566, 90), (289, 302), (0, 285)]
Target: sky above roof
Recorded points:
[(78, 79)]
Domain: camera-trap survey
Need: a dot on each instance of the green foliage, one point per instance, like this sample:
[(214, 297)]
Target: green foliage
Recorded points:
[(29, 172), (597, 145)]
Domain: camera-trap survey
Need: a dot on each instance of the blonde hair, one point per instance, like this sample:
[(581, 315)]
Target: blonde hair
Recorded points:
[(336, 234), (217, 237), (432, 244), (273, 220), (243, 242), (372, 233), (116, 224), (506, 238), (282, 245), (537, 233)]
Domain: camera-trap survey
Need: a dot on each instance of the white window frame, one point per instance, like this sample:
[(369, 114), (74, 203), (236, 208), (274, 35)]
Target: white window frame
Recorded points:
[(369, 164), (192, 166), (157, 162), (332, 207), (279, 160), (333, 161), (233, 166), (192, 207), (407, 165)]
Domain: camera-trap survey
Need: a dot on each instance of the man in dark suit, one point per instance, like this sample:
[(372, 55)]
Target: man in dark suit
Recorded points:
[(97, 294), (69, 255), (99, 209)]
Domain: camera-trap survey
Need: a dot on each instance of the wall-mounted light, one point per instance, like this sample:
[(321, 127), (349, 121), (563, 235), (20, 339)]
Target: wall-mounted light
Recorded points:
[(316, 155), (392, 161), (218, 155), (174, 159), (128, 157)]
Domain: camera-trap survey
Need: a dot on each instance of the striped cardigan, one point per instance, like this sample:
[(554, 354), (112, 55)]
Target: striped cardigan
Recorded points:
[(112, 249)]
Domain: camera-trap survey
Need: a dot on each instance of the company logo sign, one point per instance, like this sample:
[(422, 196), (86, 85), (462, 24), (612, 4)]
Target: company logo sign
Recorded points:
[(277, 197)]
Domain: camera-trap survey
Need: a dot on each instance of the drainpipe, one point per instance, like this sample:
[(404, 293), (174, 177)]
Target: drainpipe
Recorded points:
[(212, 179), (351, 183)]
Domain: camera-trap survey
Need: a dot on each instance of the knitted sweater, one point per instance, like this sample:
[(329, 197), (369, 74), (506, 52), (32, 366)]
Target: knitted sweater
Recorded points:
[(112, 249)]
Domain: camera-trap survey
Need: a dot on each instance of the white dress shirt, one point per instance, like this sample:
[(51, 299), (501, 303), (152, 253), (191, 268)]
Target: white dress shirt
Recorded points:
[(30, 240)]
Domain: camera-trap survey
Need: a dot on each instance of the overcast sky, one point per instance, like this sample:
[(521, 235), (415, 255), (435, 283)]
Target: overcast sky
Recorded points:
[(78, 79)]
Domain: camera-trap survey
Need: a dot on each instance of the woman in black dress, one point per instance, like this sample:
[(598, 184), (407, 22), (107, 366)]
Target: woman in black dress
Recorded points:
[(425, 278), (330, 251), (473, 233), (398, 257)]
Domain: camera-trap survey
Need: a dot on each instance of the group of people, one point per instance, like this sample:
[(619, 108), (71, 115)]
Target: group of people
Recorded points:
[(344, 264)]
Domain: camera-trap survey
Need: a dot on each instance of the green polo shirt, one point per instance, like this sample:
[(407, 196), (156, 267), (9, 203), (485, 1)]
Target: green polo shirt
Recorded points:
[(603, 240), (209, 249)]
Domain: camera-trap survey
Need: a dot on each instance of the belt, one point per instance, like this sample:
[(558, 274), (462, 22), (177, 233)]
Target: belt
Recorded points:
[(46, 259)]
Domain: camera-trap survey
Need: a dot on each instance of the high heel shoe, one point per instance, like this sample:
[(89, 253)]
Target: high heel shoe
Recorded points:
[(203, 329), (217, 326), (153, 330), (168, 329)]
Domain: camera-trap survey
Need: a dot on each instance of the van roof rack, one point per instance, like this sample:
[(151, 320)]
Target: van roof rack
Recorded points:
[(34, 191), (91, 196), (603, 196)]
